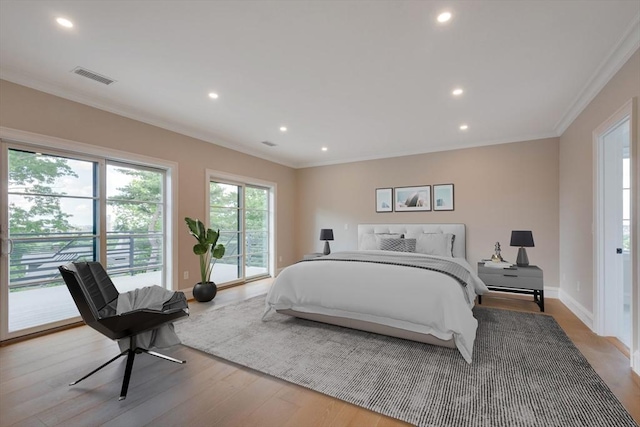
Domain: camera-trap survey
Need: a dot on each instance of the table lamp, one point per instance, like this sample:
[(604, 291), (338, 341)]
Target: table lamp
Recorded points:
[(524, 239), (326, 234)]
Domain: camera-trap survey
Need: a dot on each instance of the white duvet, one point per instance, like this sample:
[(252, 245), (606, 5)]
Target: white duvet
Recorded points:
[(413, 299)]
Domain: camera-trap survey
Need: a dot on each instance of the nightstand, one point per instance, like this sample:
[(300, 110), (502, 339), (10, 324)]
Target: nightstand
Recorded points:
[(313, 255), (520, 280)]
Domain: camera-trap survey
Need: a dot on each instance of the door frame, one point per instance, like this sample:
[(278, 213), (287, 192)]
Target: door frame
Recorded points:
[(627, 111), (228, 178)]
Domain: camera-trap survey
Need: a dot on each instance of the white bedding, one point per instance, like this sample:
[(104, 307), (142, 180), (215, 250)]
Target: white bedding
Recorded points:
[(413, 299)]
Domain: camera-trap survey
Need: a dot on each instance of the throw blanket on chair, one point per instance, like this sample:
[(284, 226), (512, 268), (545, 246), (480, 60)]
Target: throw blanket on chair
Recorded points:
[(151, 298)]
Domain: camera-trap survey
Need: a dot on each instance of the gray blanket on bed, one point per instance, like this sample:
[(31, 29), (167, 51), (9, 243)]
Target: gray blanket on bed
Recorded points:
[(444, 266), (152, 298)]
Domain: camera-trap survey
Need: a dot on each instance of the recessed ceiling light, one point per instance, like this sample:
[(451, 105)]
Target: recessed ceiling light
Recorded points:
[(64, 22), (444, 17), (464, 127), (324, 148), (457, 91), (283, 128), (213, 95)]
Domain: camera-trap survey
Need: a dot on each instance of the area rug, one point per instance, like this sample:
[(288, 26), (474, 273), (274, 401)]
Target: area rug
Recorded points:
[(525, 370)]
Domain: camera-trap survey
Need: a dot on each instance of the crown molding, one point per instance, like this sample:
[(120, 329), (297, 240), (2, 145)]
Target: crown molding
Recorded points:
[(622, 51), (53, 89), (449, 147)]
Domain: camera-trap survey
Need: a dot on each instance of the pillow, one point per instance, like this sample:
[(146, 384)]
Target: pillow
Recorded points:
[(371, 241), (398, 245), (439, 244)]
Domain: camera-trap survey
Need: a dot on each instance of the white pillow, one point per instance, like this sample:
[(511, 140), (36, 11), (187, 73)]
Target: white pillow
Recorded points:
[(371, 242), (439, 244)]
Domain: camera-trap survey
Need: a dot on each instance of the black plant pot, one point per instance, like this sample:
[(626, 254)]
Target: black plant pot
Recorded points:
[(204, 292)]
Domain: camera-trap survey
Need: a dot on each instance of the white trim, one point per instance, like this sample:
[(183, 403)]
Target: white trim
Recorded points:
[(4, 245), (19, 77), (576, 308), (247, 180), (551, 292), (623, 50), (446, 147), (623, 113), (598, 214), (635, 362), (77, 149), (188, 293)]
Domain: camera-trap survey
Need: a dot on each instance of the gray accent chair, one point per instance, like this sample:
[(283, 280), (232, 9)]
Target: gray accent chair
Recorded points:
[(96, 298)]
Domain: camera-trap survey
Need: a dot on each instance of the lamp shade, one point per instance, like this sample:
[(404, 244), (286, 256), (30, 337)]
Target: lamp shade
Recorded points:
[(326, 234), (522, 239)]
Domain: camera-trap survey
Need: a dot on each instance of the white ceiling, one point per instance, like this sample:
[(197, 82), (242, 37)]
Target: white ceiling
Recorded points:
[(365, 79)]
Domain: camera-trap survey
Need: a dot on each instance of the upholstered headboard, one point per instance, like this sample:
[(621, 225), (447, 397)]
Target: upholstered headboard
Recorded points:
[(459, 244)]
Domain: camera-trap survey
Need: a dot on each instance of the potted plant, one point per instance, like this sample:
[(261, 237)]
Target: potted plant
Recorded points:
[(207, 249)]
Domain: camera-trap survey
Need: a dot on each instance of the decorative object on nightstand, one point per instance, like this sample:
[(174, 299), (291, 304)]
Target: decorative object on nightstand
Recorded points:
[(524, 239), (496, 257), (326, 234)]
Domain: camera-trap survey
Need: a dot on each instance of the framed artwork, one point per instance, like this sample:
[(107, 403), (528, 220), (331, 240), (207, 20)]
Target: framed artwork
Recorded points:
[(443, 197), (412, 199), (384, 199)]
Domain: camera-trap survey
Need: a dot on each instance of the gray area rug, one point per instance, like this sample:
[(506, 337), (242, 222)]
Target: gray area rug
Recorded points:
[(525, 371)]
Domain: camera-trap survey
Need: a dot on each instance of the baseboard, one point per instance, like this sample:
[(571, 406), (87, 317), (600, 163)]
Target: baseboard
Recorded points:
[(635, 362), (578, 309), (551, 292), (187, 293)]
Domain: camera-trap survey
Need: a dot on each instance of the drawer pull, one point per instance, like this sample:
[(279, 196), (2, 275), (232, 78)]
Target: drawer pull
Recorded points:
[(510, 275)]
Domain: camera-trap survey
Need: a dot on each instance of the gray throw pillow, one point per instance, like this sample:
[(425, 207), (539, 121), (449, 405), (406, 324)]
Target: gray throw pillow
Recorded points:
[(398, 245)]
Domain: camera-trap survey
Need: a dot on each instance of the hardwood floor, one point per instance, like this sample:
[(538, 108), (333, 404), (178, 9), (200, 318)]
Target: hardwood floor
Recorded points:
[(208, 391)]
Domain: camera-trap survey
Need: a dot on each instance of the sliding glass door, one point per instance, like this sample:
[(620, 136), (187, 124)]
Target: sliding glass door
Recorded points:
[(135, 226), (242, 214), (52, 220), (59, 208)]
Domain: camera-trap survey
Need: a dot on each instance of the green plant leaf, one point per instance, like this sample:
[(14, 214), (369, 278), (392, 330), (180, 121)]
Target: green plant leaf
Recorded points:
[(212, 236), (200, 249), (218, 251), (202, 232), (193, 227)]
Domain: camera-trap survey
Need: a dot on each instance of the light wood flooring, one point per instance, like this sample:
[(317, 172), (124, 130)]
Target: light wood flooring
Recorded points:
[(208, 391)]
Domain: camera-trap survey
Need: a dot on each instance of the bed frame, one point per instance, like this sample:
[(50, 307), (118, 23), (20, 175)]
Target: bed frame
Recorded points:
[(366, 231)]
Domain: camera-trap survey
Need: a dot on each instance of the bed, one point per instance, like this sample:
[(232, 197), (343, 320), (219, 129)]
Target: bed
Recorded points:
[(419, 286)]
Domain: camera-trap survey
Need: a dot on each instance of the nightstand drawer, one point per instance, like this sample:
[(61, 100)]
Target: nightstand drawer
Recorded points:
[(511, 279)]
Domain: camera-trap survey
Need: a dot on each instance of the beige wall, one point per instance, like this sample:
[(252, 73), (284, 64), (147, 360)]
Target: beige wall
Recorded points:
[(576, 182), (497, 189), (30, 110)]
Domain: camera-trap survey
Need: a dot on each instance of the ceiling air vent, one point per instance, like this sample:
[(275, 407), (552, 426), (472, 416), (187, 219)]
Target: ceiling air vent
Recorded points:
[(269, 143), (93, 76)]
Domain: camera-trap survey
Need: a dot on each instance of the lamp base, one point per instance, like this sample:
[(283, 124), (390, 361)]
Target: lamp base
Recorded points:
[(327, 249), (523, 259)]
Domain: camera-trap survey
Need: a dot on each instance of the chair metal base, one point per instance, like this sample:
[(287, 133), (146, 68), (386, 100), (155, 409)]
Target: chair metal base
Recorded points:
[(131, 354)]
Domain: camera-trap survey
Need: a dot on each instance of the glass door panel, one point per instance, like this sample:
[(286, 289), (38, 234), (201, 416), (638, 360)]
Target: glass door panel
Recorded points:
[(52, 211), (135, 226), (241, 213), (257, 234)]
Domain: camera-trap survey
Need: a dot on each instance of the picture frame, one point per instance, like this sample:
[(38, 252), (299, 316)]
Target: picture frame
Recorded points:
[(384, 199), (412, 199), (443, 197)]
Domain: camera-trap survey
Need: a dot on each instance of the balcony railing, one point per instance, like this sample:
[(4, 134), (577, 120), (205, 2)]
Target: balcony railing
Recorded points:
[(34, 260)]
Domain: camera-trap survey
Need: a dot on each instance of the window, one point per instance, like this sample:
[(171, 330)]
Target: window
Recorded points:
[(243, 213), (65, 206)]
